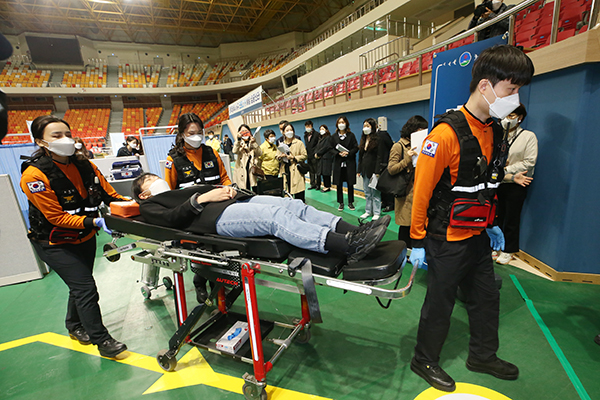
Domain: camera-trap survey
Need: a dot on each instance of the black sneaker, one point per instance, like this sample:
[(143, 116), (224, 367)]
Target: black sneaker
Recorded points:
[(325, 190), (597, 339), (499, 368), (434, 375), (341, 207), (80, 335), (111, 348), (361, 242), (383, 221), (351, 206)]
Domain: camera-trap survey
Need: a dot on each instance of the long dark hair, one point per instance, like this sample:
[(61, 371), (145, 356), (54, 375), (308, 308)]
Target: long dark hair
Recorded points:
[(182, 123), (373, 137), (414, 123), (327, 131), (343, 118), (37, 130)]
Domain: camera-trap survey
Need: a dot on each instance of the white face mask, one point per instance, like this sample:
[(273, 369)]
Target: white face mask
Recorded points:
[(342, 127), (210, 136), (496, 4), (367, 131), (158, 186), (194, 140), (64, 146), (308, 130), (78, 146), (272, 139), (503, 106), (509, 123), (323, 131), (289, 134)]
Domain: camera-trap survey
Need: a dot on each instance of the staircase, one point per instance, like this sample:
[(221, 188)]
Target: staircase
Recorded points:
[(115, 124), (112, 80), (164, 75), (165, 117), (56, 78)]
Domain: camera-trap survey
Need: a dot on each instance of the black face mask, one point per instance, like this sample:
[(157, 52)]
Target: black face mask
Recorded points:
[(3, 116)]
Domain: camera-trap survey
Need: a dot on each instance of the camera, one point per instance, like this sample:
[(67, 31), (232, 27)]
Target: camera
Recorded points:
[(482, 8)]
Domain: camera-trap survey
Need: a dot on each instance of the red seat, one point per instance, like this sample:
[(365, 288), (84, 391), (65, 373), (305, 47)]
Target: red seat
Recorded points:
[(567, 33)]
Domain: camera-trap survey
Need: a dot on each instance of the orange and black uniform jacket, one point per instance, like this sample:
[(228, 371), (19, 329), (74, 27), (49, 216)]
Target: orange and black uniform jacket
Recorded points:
[(195, 156), (431, 167), (46, 201)]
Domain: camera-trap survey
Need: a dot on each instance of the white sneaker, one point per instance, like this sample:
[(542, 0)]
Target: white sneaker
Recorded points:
[(375, 217), (365, 215), (504, 258), (494, 255)]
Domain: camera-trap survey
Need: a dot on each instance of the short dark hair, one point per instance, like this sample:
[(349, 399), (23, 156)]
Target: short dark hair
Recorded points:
[(307, 123), (244, 126), (209, 132), (289, 124), (499, 63), (268, 133), (283, 122), (521, 111), (136, 185), (414, 123)]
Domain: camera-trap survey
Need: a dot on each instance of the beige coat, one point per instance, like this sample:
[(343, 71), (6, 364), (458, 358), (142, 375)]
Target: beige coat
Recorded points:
[(244, 153), (400, 160), (299, 151)]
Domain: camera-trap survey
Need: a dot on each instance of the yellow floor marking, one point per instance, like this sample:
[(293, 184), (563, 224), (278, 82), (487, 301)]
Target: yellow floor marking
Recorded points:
[(476, 392), (192, 369)]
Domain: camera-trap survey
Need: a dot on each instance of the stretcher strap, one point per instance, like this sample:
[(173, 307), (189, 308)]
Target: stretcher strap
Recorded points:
[(309, 288)]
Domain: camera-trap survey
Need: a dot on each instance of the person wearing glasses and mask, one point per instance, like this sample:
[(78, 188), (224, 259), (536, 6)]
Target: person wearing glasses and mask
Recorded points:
[(522, 155), (460, 165), (64, 192), (190, 161), (248, 152)]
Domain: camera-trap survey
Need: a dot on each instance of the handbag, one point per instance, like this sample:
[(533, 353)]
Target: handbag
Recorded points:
[(302, 167), (256, 170), (399, 185)]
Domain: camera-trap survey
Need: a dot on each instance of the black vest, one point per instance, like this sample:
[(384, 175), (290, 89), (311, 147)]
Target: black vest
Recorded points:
[(188, 174), (475, 179), (68, 196)]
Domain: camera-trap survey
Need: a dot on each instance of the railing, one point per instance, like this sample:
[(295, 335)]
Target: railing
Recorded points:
[(357, 82), (416, 30), (369, 59)]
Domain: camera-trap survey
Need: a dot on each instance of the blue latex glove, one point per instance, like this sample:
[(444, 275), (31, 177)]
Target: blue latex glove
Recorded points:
[(100, 223), (418, 256), (496, 238)]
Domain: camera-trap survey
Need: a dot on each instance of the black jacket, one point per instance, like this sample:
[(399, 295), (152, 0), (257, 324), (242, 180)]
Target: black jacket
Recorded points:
[(311, 145), (227, 146), (385, 147), (326, 153), (178, 209), (367, 158), (351, 144)]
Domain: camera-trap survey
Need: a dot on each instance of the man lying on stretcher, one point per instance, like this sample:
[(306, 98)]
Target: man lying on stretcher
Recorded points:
[(227, 212)]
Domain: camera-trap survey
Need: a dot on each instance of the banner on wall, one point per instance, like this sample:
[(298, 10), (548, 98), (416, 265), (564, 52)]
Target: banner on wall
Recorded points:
[(451, 76), (250, 102)]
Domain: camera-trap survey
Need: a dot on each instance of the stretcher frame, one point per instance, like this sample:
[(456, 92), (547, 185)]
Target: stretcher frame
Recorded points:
[(169, 255)]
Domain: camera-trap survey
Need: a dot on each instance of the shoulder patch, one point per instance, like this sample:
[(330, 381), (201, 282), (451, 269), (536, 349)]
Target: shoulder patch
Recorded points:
[(429, 148), (36, 187), (169, 164)]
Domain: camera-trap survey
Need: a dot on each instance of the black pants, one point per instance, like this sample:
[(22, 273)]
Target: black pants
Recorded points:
[(313, 165), (468, 264), (271, 177), (404, 235), (387, 200), (340, 187), (511, 197), (74, 264), (327, 181), (300, 196)]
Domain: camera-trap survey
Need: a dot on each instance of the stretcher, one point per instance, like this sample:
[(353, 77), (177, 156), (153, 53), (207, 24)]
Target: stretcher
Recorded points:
[(234, 266)]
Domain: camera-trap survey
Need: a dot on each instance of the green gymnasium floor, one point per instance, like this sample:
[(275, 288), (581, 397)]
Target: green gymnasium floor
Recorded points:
[(361, 351)]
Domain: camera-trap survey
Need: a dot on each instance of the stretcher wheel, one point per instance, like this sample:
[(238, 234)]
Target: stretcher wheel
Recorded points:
[(253, 392), (303, 336), (168, 283), (146, 292), (165, 361), (111, 246)]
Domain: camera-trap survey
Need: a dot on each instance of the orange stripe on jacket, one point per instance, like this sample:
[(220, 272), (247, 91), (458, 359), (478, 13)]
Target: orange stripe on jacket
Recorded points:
[(195, 156)]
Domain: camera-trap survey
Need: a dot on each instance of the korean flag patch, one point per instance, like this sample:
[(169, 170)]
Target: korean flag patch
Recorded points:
[(429, 148), (208, 164), (168, 164), (36, 187)]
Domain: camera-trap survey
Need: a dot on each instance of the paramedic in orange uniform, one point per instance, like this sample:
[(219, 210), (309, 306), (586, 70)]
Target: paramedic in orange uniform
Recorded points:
[(64, 193), (449, 171), (190, 161)]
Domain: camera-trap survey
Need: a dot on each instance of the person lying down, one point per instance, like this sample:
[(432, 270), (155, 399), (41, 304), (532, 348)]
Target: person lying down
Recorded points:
[(227, 212)]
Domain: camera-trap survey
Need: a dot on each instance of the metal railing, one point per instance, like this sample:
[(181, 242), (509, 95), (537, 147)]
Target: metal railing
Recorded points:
[(328, 91), (398, 46)]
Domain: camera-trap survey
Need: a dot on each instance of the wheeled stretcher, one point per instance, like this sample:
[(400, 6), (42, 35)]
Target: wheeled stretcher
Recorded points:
[(233, 266)]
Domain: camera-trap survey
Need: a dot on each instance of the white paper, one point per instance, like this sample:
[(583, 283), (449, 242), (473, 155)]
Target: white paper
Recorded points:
[(285, 149), (341, 148), (373, 181), (416, 141)]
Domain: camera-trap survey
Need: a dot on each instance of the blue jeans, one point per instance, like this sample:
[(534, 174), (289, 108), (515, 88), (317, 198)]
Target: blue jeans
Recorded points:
[(288, 219), (372, 198)]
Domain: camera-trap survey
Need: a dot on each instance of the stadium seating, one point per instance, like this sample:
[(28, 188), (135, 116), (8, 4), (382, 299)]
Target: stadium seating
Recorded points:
[(94, 76), (90, 124), (181, 75), (153, 115), (205, 111), (22, 75), (17, 125), (138, 75)]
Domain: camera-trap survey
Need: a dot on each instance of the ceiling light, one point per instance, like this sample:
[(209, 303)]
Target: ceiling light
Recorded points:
[(102, 1)]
